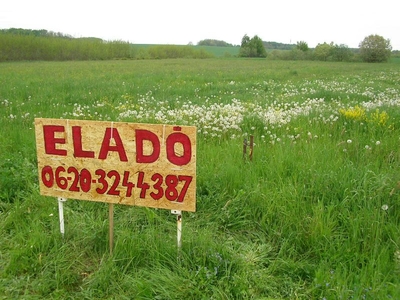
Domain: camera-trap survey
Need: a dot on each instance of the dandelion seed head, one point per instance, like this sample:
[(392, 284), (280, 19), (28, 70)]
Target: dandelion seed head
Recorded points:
[(397, 255)]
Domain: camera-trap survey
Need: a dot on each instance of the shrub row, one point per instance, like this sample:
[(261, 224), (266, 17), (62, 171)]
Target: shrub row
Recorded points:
[(29, 47), (20, 47)]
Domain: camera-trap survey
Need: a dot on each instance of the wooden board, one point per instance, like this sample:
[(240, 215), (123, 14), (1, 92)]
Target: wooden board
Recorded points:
[(115, 162)]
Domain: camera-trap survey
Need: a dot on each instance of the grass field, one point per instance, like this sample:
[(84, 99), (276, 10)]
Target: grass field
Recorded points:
[(215, 50), (145, 51), (314, 215), (221, 51)]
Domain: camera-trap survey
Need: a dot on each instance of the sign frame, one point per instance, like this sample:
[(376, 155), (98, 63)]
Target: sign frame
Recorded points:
[(151, 165)]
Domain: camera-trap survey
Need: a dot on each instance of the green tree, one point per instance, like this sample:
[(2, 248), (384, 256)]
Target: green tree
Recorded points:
[(18, 45), (253, 47), (303, 46), (375, 48), (258, 44), (211, 42), (341, 53), (323, 51)]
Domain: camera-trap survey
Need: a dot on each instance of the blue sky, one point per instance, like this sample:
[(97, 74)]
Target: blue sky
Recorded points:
[(180, 22)]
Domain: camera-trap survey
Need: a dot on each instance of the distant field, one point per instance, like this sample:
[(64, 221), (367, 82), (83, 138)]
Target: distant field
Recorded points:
[(315, 214), (216, 51), (221, 51)]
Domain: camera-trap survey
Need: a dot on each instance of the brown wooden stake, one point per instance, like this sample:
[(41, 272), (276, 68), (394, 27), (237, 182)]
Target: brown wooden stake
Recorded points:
[(244, 148), (111, 226), (251, 147)]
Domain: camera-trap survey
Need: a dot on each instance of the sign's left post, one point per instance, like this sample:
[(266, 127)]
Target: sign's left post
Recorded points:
[(61, 201)]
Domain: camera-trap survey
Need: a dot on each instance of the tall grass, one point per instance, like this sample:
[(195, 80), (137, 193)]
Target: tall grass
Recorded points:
[(314, 214)]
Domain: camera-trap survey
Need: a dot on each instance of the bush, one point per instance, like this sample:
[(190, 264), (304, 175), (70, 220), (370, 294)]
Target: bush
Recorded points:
[(375, 48), (323, 51), (17, 47), (341, 53), (211, 42), (253, 47), (303, 46), (332, 52)]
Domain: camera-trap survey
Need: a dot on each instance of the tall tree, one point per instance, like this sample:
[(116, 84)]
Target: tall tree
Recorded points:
[(323, 51), (375, 48), (253, 47), (341, 53), (303, 46)]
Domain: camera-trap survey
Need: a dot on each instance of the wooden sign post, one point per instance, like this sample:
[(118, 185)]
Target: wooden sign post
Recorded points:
[(118, 163), (61, 201)]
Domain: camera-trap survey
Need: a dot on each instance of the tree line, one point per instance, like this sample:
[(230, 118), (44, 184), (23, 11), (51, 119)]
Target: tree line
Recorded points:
[(373, 48), (35, 32), (268, 45), (24, 44), (211, 42)]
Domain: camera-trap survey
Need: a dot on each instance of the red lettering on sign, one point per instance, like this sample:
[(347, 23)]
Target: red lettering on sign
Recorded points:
[(183, 139), (142, 135), (112, 133), (77, 138), (50, 140)]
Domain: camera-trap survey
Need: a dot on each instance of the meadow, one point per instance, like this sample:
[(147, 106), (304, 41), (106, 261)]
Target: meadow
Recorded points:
[(315, 214)]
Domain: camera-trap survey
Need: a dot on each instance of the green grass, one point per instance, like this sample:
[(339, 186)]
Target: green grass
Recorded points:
[(314, 215), (214, 50), (221, 51)]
